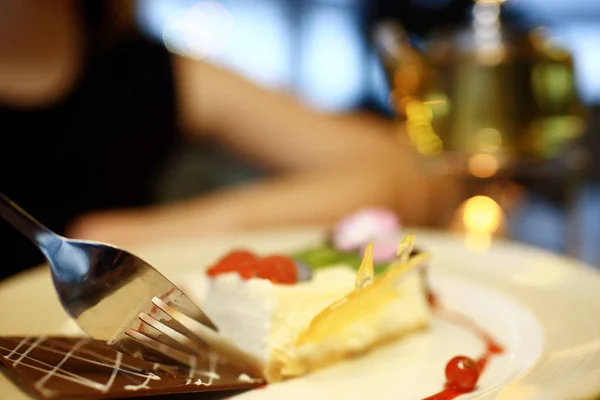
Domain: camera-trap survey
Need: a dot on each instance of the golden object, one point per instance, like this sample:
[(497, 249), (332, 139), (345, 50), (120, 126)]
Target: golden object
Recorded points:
[(364, 299), (484, 96)]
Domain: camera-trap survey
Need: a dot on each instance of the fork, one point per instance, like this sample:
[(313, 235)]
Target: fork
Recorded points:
[(119, 298), (184, 339)]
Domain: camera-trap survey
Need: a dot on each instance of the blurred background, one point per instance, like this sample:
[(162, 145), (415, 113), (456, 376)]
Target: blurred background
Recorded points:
[(325, 52)]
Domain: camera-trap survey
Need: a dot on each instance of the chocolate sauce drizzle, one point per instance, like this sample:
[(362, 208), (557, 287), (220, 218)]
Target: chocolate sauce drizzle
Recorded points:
[(83, 368)]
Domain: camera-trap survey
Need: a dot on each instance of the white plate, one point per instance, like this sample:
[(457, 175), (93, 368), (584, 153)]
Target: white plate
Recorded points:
[(543, 308)]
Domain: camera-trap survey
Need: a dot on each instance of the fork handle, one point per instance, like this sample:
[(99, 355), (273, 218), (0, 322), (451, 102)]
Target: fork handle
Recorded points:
[(46, 240)]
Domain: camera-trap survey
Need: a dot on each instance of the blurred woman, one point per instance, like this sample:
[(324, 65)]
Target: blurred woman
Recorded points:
[(90, 110)]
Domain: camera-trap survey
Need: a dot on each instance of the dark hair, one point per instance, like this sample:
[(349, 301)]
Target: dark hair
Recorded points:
[(105, 21), (94, 12)]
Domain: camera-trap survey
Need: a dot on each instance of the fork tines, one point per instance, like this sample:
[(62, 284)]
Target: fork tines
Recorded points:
[(169, 352), (182, 338)]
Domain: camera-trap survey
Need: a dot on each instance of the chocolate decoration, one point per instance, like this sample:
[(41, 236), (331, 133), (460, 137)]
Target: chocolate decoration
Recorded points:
[(83, 368)]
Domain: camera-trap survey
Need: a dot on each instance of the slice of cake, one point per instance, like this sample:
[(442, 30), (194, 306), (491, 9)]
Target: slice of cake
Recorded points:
[(293, 321)]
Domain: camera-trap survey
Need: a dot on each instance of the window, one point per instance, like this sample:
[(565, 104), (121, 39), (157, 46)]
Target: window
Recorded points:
[(314, 47)]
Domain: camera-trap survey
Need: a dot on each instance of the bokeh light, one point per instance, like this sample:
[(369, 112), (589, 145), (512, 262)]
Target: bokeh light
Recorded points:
[(483, 165), (200, 31), (482, 214), (479, 218), (419, 118)]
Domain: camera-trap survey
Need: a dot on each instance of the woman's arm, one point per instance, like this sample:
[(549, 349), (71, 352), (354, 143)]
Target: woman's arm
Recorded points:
[(320, 157), (324, 165)]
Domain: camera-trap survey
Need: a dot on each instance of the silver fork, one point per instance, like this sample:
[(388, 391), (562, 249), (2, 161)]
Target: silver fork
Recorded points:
[(119, 298), (168, 331)]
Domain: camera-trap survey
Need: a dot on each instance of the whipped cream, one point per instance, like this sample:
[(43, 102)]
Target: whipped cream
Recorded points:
[(259, 316)]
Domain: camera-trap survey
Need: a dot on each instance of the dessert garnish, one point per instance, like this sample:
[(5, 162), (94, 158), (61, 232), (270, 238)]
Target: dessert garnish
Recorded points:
[(365, 226), (369, 293), (83, 368), (366, 272), (462, 372), (276, 268), (348, 241), (239, 261)]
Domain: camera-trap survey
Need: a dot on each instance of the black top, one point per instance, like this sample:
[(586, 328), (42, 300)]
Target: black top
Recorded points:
[(98, 148)]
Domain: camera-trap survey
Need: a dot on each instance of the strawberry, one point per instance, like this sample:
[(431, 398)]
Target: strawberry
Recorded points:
[(240, 261), (277, 269)]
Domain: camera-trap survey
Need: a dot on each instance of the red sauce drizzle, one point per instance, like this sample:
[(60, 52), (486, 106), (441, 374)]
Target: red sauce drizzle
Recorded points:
[(492, 347)]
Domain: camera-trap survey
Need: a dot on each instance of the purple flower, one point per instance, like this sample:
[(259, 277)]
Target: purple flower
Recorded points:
[(369, 225)]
